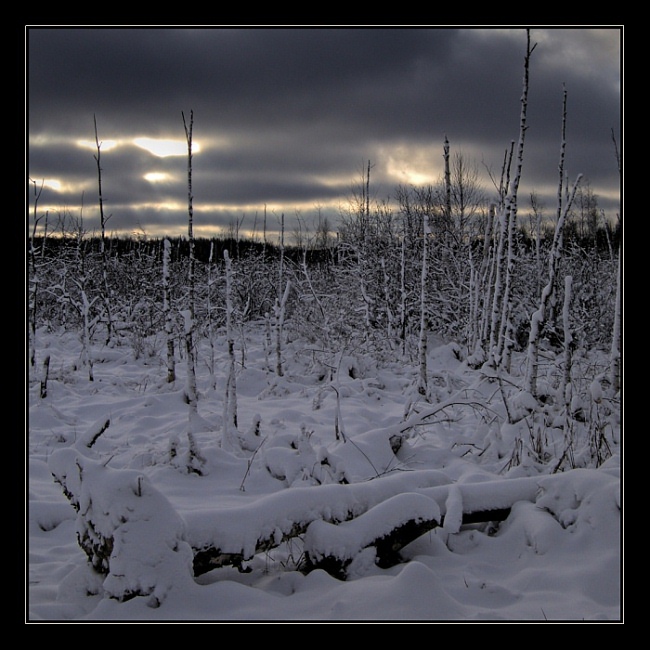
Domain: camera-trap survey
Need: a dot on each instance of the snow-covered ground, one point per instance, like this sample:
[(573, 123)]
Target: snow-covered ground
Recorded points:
[(556, 557)]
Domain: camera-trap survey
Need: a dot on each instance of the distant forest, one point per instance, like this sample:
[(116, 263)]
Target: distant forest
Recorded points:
[(604, 238)]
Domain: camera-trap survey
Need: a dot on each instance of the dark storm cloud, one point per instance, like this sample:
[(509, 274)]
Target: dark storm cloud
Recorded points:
[(237, 75), (290, 115)]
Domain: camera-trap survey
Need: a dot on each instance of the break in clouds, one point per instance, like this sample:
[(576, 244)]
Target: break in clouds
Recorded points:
[(288, 118)]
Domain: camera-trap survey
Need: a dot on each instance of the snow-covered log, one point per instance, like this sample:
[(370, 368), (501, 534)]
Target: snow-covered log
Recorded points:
[(235, 535), (385, 529), (128, 529), (366, 515), (483, 501), (143, 546)]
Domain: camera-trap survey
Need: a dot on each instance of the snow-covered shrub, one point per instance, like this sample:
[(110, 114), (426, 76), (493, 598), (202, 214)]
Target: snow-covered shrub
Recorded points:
[(296, 461)]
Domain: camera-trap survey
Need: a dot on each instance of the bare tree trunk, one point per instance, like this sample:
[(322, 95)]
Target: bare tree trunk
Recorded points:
[(537, 211), (390, 318), (105, 291), (33, 294), (189, 320), (403, 296), (473, 296), (522, 125), (422, 349), (267, 340), (211, 360), (615, 353), (504, 340), (280, 305), (44, 376), (189, 316), (167, 312), (486, 277), (280, 316), (324, 326), (539, 317), (497, 294), (264, 237), (229, 432), (84, 303), (447, 186), (368, 192), (195, 459), (362, 254), (568, 340), (497, 269)]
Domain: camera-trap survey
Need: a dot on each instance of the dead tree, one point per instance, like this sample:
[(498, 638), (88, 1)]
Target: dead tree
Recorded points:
[(615, 351), (167, 313), (195, 460), (538, 319), (422, 347), (280, 305), (229, 433), (102, 243), (84, 303), (189, 313), (35, 278), (502, 331)]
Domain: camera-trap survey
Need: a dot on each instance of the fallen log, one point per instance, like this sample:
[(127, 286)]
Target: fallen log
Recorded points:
[(387, 528), (482, 501), (339, 522), (232, 536)]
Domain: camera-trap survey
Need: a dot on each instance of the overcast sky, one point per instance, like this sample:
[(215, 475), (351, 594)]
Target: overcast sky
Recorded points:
[(287, 118)]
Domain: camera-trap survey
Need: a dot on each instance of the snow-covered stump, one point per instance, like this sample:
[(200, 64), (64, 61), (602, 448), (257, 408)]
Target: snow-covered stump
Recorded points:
[(130, 532), (376, 536)]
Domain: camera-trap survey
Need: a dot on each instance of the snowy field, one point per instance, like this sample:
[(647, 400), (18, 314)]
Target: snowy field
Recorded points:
[(555, 557)]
